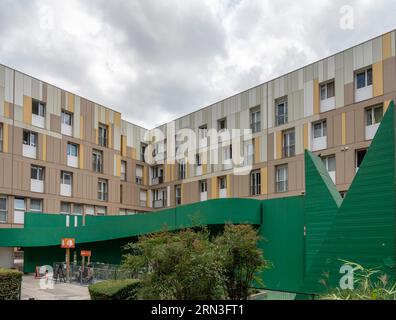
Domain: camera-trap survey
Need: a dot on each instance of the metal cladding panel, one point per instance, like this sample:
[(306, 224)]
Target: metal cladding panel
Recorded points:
[(362, 230), (282, 242)]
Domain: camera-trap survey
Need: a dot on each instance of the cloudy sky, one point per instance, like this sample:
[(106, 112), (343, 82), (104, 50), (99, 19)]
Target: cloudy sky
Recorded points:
[(156, 60)]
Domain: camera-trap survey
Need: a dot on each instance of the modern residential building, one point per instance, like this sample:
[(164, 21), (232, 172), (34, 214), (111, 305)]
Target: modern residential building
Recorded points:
[(61, 153)]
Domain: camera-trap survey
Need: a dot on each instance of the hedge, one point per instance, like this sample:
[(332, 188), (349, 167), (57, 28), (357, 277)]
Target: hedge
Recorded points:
[(10, 284), (114, 290)]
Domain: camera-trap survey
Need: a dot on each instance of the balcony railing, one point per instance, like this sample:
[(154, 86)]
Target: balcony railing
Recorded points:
[(289, 151), (159, 203), (157, 180)]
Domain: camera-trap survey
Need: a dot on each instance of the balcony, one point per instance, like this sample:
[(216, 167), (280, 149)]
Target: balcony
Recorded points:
[(157, 180), (199, 171), (327, 104), (38, 121), (65, 190), (72, 161), (363, 93), (370, 131), (66, 129), (37, 185), (161, 203), (29, 151), (319, 143)]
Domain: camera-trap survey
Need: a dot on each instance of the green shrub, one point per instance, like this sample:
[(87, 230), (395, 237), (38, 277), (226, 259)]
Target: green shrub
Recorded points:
[(10, 283), (114, 290)]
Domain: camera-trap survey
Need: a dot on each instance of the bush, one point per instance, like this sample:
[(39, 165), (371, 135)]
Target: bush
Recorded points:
[(114, 290), (10, 283)]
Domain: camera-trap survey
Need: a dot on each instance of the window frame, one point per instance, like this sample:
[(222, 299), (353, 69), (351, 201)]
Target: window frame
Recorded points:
[(123, 170), (69, 148), (178, 195), (368, 80), (284, 182), (97, 161), (30, 142), (4, 212), (103, 135), (325, 160), (325, 86), (1, 137), (39, 173), (372, 110), (285, 115), (255, 183), (63, 180), (255, 119), (203, 183), (323, 129), (41, 205), (66, 113), (103, 189), (41, 106), (288, 148)]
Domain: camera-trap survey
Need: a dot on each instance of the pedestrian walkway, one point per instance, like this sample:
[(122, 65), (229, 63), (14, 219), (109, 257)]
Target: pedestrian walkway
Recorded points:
[(61, 291)]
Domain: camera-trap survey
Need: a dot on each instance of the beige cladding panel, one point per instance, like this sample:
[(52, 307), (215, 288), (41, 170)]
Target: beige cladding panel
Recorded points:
[(359, 125), (389, 84), (5, 172), (350, 125)]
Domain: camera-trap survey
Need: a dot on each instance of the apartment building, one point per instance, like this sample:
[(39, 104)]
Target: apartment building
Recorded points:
[(61, 153)]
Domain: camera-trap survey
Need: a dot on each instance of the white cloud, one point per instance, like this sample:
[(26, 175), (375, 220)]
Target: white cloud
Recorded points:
[(155, 61)]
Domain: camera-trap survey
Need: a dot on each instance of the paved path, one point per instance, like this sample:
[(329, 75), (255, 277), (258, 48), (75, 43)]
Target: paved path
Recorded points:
[(61, 291)]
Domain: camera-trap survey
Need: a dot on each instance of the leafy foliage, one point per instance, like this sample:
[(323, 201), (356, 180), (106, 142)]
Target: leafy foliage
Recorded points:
[(114, 290), (241, 259), (10, 284), (189, 265), (369, 284)]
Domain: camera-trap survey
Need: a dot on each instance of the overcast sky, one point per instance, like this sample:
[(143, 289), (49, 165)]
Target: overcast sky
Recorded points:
[(156, 60)]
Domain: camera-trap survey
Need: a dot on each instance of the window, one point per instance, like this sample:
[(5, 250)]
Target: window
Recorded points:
[(360, 154), (66, 178), (3, 209), (103, 135), (281, 178), (143, 198), (30, 138), (178, 195), (330, 165), (327, 90), (102, 190), (203, 186), (157, 175), (65, 208), (37, 173), (72, 149), (38, 108), (364, 78), (97, 161), (78, 209), (123, 170), (255, 119), (203, 131), (198, 160), (320, 129), (101, 211), (222, 183), (139, 174), (66, 118), (288, 143), (255, 183), (374, 115), (281, 112), (222, 124), (182, 170), (1, 137), (19, 210), (143, 148), (36, 205)]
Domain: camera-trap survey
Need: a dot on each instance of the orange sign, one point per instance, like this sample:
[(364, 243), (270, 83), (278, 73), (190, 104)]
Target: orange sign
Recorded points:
[(85, 253), (68, 243)]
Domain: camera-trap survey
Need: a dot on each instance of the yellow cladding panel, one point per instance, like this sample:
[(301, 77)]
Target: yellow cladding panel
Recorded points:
[(27, 110), (278, 145), (133, 153), (124, 146), (256, 150), (118, 165), (229, 193), (44, 147), (117, 119), (387, 46), (264, 181), (81, 127), (316, 96), (70, 102), (204, 168), (214, 191), (6, 110), (107, 117), (343, 128), (378, 79), (386, 105), (306, 136), (5, 137), (110, 142), (145, 175), (81, 151)]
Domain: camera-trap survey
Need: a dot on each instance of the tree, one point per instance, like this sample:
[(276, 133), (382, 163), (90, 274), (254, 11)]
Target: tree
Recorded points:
[(242, 259), (182, 266)]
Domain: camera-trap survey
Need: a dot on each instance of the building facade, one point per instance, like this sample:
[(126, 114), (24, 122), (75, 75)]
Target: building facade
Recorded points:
[(61, 153)]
